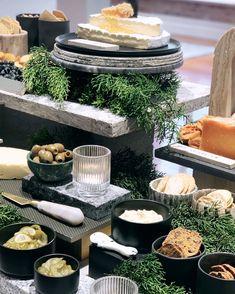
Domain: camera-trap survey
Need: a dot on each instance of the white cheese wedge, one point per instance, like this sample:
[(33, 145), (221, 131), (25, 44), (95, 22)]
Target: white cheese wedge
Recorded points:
[(91, 32), (13, 163), (144, 25)]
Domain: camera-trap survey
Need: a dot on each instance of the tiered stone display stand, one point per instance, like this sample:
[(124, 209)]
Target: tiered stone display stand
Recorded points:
[(107, 129)]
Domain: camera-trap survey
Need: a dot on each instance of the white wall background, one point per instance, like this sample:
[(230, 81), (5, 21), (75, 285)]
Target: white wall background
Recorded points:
[(14, 7)]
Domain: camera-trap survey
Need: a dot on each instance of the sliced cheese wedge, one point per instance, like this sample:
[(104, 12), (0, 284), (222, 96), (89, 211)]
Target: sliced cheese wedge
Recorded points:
[(13, 163)]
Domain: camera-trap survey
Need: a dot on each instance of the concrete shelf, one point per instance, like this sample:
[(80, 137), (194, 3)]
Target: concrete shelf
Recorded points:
[(93, 120)]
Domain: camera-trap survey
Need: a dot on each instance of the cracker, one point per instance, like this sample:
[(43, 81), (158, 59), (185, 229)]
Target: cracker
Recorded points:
[(60, 14), (174, 185), (188, 240), (47, 16), (229, 268), (4, 30), (162, 184), (222, 275), (172, 250), (186, 182)]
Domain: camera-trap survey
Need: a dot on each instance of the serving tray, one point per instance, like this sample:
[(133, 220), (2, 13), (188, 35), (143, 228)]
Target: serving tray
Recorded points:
[(174, 156), (172, 47)]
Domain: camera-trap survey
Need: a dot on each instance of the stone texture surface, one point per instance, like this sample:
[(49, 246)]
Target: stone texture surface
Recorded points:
[(91, 119), (67, 193), (13, 286)]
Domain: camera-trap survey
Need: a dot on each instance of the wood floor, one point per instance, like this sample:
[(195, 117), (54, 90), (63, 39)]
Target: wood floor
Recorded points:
[(197, 69)]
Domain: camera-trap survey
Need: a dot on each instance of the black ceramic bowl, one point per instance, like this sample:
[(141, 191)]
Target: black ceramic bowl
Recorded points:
[(29, 23), (48, 172), (59, 285), (182, 271), (208, 284), (19, 263), (140, 236)]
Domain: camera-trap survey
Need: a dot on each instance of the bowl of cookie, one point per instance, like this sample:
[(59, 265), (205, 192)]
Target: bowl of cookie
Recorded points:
[(216, 201), (172, 190), (216, 273), (179, 253)]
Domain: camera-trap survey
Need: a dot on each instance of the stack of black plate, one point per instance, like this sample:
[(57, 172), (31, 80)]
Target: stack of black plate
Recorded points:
[(124, 60)]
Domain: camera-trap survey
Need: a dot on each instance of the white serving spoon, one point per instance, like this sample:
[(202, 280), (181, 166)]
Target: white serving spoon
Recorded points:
[(104, 241)]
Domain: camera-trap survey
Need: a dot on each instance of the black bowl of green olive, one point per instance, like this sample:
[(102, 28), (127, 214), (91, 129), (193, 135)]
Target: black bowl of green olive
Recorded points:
[(50, 163), (21, 244)]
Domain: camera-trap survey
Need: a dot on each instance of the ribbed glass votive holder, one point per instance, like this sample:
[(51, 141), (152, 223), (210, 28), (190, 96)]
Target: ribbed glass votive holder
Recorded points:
[(91, 169)]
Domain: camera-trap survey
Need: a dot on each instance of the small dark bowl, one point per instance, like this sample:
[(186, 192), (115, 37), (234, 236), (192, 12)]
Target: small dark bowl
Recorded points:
[(140, 236), (19, 263), (59, 285), (48, 172), (208, 284), (30, 24), (182, 271)]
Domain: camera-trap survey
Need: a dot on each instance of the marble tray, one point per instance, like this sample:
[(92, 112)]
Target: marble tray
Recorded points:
[(67, 193), (13, 286)]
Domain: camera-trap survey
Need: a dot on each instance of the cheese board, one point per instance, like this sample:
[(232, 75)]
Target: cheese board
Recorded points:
[(196, 164), (62, 42), (203, 155)]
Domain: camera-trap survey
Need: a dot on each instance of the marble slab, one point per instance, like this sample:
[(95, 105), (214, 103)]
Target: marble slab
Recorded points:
[(88, 118), (95, 207), (13, 286)]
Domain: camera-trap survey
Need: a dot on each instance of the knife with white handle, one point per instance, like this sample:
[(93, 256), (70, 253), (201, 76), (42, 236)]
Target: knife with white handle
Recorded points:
[(104, 241), (68, 214)]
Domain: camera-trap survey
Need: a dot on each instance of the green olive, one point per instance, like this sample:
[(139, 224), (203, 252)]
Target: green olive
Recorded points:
[(36, 159), (68, 155), (52, 148), (60, 157), (46, 156), (35, 149), (59, 147), (41, 153), (44, 147)]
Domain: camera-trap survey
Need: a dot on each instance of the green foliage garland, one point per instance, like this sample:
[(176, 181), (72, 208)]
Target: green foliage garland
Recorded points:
[(133, 172), (9, 215), (41, 76), (218, 232), (149, 99), (149, 276)]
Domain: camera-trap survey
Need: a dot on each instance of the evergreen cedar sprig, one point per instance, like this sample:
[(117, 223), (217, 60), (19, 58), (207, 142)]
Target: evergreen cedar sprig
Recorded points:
[(9, 215), (149, 99), (133, 172), (41, 76), (218, 232), (149, 275)]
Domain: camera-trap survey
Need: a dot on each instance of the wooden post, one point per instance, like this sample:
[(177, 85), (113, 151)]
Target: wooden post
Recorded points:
[(222, 99)]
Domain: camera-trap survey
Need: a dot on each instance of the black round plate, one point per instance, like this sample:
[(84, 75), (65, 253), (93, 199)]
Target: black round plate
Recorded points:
[(172, 47)]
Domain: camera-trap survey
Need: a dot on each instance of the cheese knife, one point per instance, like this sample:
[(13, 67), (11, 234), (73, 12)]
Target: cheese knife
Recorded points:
[(68, 214)]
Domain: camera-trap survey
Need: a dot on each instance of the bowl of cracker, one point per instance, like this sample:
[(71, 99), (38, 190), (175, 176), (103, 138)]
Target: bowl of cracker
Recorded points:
[(172, 190), (179, 253), (12, 38), (216, 201), (216, 273)]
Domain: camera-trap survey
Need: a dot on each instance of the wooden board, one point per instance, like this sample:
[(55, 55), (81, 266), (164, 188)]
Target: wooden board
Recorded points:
[(203, 155)]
